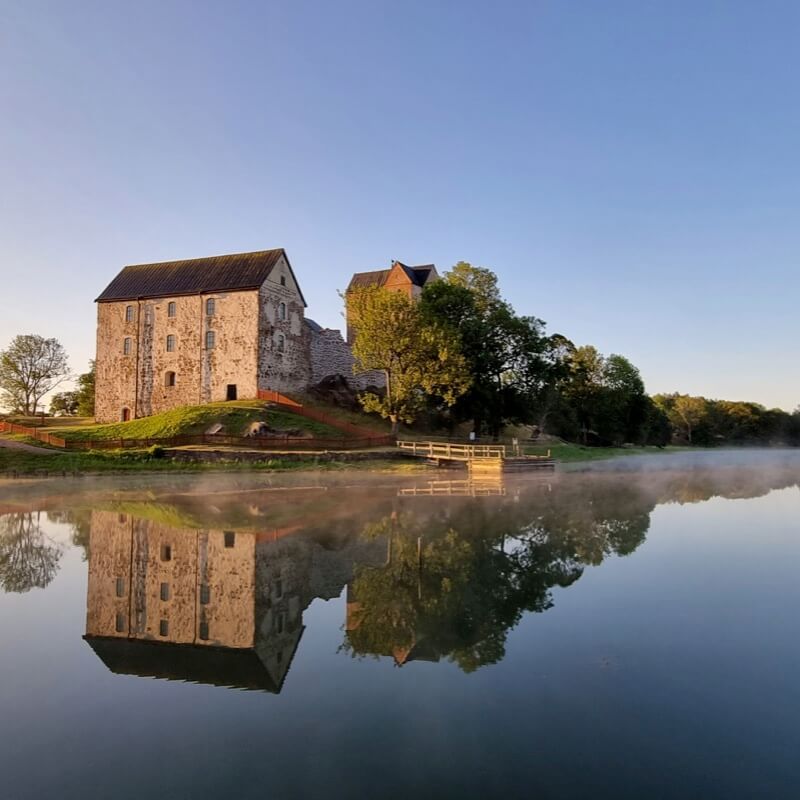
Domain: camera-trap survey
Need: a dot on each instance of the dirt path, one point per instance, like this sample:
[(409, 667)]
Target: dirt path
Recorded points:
[(10, 444)]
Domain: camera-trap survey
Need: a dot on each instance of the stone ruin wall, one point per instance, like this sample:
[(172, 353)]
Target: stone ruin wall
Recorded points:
[(331, 355)]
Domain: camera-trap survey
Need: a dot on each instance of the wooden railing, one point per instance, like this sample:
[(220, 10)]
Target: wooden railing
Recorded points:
[(453, 452), (357, 437), (252, 443), (243, 442), (283, 401), (34, 433)]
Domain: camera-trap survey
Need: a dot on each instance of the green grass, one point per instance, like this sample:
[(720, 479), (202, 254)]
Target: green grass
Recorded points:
[(565, 452), (370, 422), (234, 417), (56, 462)]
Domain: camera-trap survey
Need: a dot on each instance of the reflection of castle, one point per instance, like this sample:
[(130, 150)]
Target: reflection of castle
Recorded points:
[(216, 607)]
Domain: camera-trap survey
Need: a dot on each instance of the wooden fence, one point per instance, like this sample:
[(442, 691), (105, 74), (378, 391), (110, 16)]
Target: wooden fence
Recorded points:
[(221, 440), (318, 416), (35, 433)]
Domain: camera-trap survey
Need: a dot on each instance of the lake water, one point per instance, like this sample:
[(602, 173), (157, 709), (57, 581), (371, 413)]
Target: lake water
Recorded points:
[(622, 633)]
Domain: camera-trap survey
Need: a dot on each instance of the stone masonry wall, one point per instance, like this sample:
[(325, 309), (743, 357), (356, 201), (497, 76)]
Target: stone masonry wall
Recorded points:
[(138, 381), (283, 346), (331, 355)]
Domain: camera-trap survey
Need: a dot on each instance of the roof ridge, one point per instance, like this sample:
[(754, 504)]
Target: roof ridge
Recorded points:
[(205, 258)]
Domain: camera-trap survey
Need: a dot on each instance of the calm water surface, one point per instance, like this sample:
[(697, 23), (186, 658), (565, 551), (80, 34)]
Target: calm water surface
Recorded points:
[(613, 634)]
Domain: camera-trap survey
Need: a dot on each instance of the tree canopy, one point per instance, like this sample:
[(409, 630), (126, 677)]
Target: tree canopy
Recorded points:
[(420, 358), (30, 367)]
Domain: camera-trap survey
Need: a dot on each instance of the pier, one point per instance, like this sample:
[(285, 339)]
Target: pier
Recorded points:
[(480, 459)]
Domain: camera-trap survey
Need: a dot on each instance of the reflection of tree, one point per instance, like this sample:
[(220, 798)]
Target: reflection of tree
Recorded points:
[(28, 559), (81, 522), (453, 586)]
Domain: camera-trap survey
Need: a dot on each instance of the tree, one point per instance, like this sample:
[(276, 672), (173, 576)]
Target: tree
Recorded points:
[(64, 403), (685, 412), (31, 367), (28, 559), (85, 392), (420, 359), (506, 355)]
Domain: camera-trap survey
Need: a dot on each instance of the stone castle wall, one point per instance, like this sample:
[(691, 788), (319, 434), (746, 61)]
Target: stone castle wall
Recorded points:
[(138, 380), (331, 355)]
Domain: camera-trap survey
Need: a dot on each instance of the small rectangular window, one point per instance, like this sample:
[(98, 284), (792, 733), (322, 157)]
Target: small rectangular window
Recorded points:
[(169, 379), (281, 622), (163, 627), (171, 343), (205, 594), (281, 343), (120, 623), (204, 630), (165, 591), (120, 587), (210, 340), (283, 280), (211, 307), (230, 538), (166, 552), (128, 313), (278, 589), (171, 309), (126, 346)]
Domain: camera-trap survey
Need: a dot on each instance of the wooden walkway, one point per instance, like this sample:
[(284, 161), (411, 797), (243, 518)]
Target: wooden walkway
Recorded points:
[(479, 458)]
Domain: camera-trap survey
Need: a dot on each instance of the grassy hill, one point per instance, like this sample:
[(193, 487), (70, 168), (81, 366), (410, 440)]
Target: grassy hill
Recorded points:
[(235, 417)]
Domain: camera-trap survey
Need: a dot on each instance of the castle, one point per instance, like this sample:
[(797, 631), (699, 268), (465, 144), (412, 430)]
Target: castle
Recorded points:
[(180, 333)]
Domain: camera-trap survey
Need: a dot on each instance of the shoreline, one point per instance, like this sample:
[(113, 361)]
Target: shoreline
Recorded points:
[(19, 466)]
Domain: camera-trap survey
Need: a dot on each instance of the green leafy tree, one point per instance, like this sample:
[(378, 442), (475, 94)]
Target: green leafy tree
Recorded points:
[(64, 403), (85, 392), (507, 356), (420, 358), (30, 367), (685, 413)]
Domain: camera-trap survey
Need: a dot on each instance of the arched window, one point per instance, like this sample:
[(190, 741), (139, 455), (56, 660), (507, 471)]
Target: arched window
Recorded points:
[(128, 313), (172, 309), (126, 346), (210, 340), (282, 311), (171, 343), (210, 307), (169, 379), (281, 342)]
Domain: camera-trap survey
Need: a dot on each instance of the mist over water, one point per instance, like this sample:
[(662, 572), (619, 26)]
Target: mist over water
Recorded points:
[(623, 631)]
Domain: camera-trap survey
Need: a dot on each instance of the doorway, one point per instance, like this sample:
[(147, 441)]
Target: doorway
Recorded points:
[(126, 414), (231, 395)]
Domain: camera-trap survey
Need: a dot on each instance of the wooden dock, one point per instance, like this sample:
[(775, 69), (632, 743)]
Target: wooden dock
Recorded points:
[(480, 459)]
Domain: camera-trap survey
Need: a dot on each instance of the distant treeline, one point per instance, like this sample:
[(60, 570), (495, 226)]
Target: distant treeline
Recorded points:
[(697, 420)]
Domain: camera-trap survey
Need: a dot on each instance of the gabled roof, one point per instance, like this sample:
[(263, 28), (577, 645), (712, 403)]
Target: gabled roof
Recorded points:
[(227, 273), (417, 275), (215, 666), (363, 279)]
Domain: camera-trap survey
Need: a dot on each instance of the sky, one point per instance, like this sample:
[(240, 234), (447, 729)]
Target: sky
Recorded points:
[(628, 169)]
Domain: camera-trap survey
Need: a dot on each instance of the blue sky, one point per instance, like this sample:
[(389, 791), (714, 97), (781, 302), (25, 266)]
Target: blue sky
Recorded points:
[(629, 169)]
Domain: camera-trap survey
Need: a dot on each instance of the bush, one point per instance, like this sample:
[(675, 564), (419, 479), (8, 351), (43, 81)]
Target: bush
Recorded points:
[(156, 451)]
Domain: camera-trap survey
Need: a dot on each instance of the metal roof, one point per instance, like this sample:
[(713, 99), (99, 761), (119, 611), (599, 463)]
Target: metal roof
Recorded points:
[(234, 272)]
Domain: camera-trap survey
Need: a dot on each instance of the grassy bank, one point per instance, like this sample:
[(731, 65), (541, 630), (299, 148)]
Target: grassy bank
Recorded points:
[(568, 453), (54, 463), (234, 417)]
